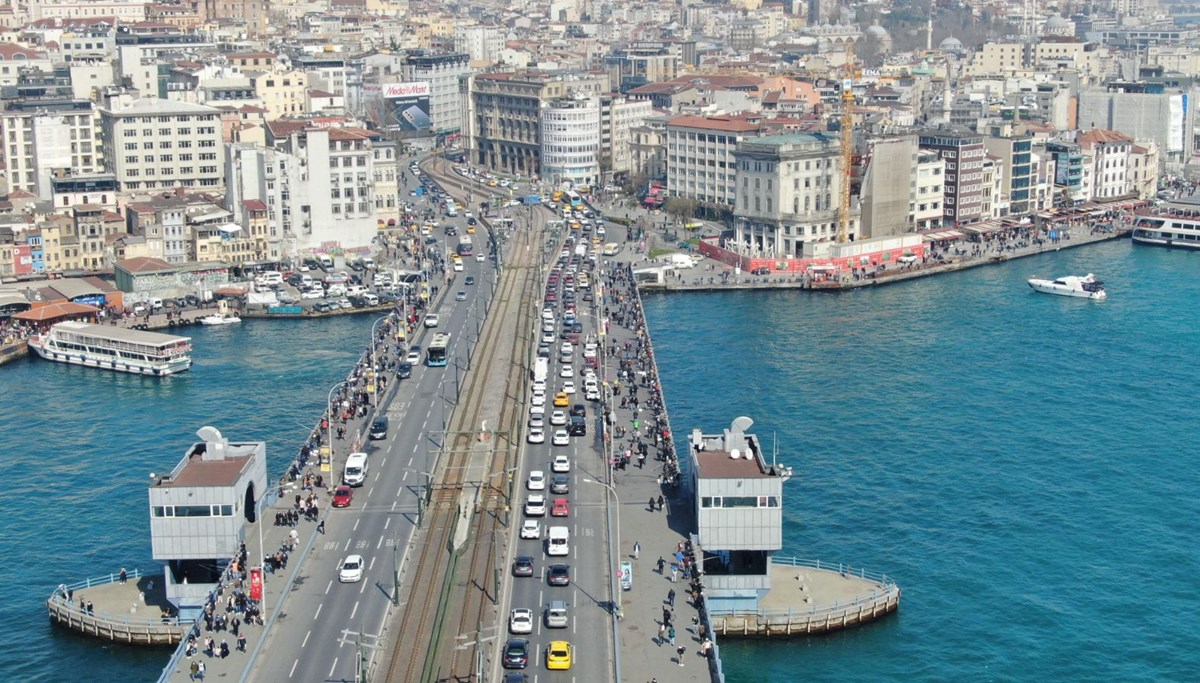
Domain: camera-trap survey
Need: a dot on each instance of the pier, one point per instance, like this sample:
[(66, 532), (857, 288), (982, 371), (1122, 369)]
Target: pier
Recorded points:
[(134, 611)]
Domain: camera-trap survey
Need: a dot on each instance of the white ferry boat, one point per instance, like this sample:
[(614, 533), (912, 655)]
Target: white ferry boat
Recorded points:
[(220, 319), (1087, 287), (114, 348), (1167, 230)]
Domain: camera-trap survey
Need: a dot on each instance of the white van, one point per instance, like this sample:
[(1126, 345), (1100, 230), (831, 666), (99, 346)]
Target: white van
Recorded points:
[(558, 543), (270, 277), (356, 470), (326, 263)]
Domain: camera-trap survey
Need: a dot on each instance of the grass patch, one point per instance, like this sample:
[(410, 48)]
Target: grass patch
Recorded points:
[(656, 252)]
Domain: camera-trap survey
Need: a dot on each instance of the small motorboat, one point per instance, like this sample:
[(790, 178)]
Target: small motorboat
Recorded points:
[(220, 319), (1086, 287)]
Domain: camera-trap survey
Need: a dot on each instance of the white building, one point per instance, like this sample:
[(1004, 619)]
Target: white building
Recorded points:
[(42, 137), (152, 143), (1109, 151), (787, 193), (570, 141), (447, 78), (618, 117), (699, 157), (482, 43)]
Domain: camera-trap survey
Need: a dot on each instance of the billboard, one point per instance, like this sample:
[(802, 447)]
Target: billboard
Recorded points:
[(406, 106)]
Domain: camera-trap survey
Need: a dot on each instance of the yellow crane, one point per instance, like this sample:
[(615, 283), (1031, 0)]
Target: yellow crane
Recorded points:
[(847, 125)]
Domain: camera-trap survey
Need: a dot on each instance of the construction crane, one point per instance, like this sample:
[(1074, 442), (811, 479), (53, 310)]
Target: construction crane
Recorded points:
[(847, 125)]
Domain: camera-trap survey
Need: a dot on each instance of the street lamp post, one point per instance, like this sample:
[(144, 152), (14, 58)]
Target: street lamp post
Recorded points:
[(372, 376), (327, 458), (614, 555)]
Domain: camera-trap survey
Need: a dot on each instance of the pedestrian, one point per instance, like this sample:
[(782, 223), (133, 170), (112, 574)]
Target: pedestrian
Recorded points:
[(194, 670), (661, 563), (674, 573), (321, 527), (671, 597), (637, 549), (680, 650), (666, 617), (671, 636), (201, 671), (662, 633), (650, 505), (661, 503), (123, 575)]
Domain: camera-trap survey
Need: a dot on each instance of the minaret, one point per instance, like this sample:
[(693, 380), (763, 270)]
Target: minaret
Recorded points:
[(929, 31)]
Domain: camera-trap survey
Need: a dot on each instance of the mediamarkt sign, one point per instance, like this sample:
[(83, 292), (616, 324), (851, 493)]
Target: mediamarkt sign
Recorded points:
[(393, 91)]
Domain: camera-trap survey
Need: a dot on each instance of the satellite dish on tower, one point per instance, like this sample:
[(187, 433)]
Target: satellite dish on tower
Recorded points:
[(741, 424), (209, 434), (734, 454)]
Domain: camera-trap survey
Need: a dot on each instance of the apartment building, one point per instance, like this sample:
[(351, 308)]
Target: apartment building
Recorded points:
[(1068, 172), (570, 141), (386, 171), (152, 143), (16, 60), (619, 116), (505, 114), (787, 193), (160, 221), (640, 63), (699, 157), (1109, 151), (47, 137), (447, 76), (963, 154), (482, 44), (1015, 154), (95, 227), (69, 189), (281, 91), (143, 59), (895, 202), (647, 147), (929, 191)]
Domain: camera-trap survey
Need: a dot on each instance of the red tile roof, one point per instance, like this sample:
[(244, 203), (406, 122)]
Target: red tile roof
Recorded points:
[(254, 205), (722, 123), (1099, 136), (143, 264)]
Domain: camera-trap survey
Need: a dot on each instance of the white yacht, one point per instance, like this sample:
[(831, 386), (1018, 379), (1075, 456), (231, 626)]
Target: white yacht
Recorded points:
[(1167, 230), (114, 348), (220, 319), (1087, 287)]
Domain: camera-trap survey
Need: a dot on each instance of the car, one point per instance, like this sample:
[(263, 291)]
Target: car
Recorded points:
[(480, 257), (515, 677), (536, 435), (431, 320), (537, 411), (342, 496), (536, 481), (537, 422), (531, 529), (516, 654), (351, 570), (561, 438), (548, 337), (560, 508), (543, 350), (560, 483), (579, 409), (558, 575), (460, 296), (404, 370), (539, 398), (558, 418), (520, 621), (568, 387), (535, 505), (312, 294), (565, 348), (561, 464), (539, 385), (761, 271), (566, 371), (470, 280), (413, 356), (560, 400)]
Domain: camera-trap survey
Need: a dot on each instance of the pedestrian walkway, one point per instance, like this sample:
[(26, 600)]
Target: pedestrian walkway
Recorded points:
[(656, 513)]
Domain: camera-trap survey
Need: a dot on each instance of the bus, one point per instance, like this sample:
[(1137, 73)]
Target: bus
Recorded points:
[(573, 199), (439, 349), (464, 246)]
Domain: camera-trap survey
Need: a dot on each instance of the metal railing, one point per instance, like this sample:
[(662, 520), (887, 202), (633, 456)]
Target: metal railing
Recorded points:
[(59, 598), (887, 592)]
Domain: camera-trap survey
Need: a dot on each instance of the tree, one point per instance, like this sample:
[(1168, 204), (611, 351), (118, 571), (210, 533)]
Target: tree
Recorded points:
[(681, 208)]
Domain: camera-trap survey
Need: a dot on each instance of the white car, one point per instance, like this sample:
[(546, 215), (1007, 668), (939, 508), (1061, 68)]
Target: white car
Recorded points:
[(566, 371), (312, 294), (561, 464), (537, 422), (536, 435), (539, 398), (548, 314), (547, 326), (536, 481), (531, 529), (480, 257), (548, 337), (520, 621), (561, 438), (558, 418), (413, 357), (568, 387), (351, 570), (431, 320), (539, 385), (535, 504), (566, 348), (537, 411)]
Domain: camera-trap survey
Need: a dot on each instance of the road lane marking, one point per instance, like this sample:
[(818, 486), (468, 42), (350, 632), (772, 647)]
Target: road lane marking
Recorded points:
[(355, 610), (356, 524), (293, 671), (388, 521), (306, 635), (384, 462), (372, 490), (347, 545), (410, 461), (333, 667), (328, 587), (318, 611)]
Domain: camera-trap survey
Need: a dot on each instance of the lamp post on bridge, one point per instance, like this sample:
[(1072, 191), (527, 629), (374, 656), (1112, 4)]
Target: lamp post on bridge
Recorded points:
[(614, 555), (326, 454)]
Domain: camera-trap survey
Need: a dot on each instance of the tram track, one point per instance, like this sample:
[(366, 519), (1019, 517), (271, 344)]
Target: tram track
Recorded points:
[(421, 646)]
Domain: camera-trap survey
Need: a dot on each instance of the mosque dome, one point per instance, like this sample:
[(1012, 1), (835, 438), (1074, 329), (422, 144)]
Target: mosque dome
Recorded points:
[(951, 43)]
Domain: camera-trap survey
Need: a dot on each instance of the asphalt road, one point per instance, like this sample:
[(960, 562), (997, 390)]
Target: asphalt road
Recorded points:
[(590, 626), (314, 638)]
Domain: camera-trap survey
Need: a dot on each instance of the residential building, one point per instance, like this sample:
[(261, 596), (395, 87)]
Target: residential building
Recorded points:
[(1110, 151), (16, 59), (1015, 154), (1143, 170), (963, 153), (648, 148), (387, 189), (43, 138), (570, 141), (481, 43), (699, 157), (787, 193), (619, 116), (281, 91), (152, 143), (447, 76), (95, 227), (1068, 173), (160, 221), (930, 190), (640, 63), (143, 59), (69, 189)]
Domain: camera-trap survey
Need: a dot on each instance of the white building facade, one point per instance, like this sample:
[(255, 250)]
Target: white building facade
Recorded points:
[(42, 137), (570, 141), (153, 143)]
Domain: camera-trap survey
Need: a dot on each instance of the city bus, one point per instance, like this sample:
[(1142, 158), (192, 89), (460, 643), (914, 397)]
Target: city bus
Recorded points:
[(573, 199), (439, 349), (464, 246)]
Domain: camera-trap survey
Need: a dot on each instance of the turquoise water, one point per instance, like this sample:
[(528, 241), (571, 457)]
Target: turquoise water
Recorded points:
[(79, 445), (1022, 464)]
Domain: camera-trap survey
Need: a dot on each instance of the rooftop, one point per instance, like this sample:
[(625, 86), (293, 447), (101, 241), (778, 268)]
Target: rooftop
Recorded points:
[(732, 454), (155, 105), (197, 471)]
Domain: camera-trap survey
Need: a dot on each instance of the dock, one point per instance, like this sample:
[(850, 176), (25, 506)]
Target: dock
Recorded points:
[(134, 611)]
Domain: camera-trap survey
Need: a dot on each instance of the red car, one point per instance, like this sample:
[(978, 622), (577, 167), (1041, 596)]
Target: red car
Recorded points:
[(560, 508), (342, 496)]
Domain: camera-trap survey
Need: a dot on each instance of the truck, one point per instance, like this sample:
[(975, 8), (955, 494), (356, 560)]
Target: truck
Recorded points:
[(531, 199), (541, 369)]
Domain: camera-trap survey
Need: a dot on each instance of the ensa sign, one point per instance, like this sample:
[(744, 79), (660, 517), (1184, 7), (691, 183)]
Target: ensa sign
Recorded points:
[(397, 90)]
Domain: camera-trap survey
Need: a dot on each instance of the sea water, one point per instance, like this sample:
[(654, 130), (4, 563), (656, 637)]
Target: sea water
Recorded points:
[(1023, 465), (77, 449)]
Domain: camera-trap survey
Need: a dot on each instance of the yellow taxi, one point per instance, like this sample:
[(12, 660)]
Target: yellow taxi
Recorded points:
[(558, 655), (561, 400), (470, 229)]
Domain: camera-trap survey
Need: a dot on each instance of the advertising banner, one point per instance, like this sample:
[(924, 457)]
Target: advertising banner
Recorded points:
[(407, 106), (626, 575), (256, 583)]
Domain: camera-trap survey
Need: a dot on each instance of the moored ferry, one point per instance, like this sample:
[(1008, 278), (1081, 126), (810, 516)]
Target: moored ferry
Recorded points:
[(1167, 230), (114, 348)]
